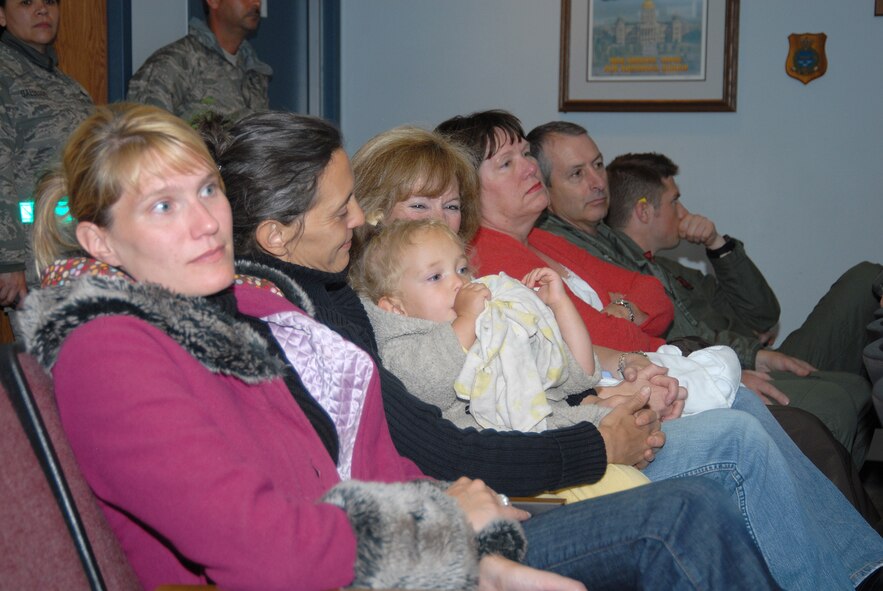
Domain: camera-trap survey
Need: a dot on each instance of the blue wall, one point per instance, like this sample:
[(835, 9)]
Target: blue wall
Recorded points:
[(796, 172)]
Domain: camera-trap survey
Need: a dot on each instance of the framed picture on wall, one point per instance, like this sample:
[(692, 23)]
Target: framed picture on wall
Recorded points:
[(648, 55)]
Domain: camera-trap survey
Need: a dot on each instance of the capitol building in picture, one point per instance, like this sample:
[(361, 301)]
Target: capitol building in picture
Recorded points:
[(667, 44)]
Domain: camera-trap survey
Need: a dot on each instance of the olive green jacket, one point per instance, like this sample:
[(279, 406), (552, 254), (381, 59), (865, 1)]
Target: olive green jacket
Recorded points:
[(724, 308)]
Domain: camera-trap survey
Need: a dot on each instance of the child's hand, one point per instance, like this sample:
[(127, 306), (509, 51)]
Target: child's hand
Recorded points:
[(470, 299), (550, 286)]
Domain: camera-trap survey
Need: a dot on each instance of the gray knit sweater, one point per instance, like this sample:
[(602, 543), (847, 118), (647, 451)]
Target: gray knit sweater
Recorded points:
[(427, 357)]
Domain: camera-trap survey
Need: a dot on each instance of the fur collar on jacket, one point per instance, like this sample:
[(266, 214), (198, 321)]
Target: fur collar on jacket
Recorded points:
[(218, 341), (293, 292)]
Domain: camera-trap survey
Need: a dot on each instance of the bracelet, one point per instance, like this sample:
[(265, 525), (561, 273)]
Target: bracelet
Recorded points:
[(622, 357), (628, 306)]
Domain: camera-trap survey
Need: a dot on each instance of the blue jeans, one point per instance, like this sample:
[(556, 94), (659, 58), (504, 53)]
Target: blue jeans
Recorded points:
[(810, 536), (676, 534)]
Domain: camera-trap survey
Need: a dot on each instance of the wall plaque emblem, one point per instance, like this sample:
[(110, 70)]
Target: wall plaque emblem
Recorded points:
[(806, 56)]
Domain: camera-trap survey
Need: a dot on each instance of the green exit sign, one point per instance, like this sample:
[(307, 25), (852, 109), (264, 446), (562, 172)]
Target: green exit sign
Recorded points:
[(26, 211)]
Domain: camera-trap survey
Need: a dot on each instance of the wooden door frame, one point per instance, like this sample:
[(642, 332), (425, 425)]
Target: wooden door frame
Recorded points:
[(82, 45)]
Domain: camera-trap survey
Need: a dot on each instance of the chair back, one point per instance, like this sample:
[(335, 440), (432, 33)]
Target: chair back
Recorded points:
[(54, 535)]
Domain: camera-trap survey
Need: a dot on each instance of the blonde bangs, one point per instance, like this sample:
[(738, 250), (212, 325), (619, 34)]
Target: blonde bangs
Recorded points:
[(158, 158), (128, 159)]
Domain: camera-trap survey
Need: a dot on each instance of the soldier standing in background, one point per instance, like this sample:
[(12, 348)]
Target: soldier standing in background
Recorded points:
[(39, 108), (212, 69)]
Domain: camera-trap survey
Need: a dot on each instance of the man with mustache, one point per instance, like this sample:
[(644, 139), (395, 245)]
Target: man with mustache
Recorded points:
[(212, 69)]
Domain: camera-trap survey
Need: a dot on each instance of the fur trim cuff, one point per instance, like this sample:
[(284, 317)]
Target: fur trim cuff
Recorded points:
[(409, 535), (504, 537)]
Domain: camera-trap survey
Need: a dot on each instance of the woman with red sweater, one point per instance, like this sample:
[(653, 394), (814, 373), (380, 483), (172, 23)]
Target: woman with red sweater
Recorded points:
[(711, 443)]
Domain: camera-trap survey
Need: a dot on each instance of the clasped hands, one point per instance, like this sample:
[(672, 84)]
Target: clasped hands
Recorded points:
[(646, 397)]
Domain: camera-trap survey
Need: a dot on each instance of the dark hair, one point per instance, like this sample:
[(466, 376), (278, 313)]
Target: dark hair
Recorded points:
[(631, 177), (660, 164), (478, 132), (537, 138), (3, 5), (271, 163)]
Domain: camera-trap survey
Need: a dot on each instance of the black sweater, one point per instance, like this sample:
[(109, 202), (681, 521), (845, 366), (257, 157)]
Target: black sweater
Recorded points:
[(511, 462)]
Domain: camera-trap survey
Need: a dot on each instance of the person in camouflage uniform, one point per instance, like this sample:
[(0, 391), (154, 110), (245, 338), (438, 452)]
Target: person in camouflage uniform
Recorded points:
[(212, 69), (734, 307), (39, 108)]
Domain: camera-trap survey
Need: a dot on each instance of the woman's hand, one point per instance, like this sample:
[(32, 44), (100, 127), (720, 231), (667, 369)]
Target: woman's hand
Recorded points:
[(676, 408), (631, 432), (499, 574), (667, 396), (620, 311), (13, 288), (633, 364), (481, 504), (548, 285)]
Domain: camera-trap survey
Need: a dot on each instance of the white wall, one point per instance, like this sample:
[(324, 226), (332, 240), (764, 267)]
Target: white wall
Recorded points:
[(796, 172)]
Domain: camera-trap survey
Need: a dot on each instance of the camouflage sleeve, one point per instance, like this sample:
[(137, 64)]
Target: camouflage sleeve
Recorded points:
[(12, 235), (157, 82)]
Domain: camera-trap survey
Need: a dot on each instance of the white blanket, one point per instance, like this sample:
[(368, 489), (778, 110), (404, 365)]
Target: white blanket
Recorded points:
[(518, 354)]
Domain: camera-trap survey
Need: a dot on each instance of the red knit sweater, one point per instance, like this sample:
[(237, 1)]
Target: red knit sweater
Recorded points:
[(495, 252)]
